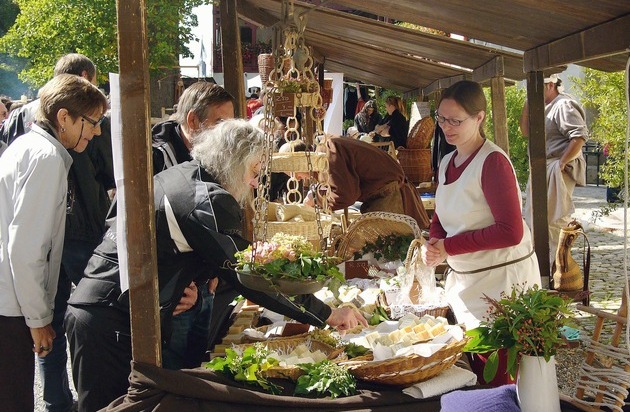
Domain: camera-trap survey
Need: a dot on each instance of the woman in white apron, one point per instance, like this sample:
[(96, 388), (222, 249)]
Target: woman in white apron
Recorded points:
[(477, 226)]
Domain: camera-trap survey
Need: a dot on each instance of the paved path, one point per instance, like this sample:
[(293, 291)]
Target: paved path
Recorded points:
[(605, 234)]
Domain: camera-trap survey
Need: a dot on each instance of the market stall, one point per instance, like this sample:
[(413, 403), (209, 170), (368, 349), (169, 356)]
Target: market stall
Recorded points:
[(153, 387)]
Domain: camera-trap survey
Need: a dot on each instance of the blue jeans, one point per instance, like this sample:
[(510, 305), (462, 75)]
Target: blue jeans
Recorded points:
[(190, 334), (52, 368)]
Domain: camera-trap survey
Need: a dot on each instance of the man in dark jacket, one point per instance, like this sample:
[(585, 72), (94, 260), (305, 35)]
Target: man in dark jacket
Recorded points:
[(91, 176), (201, 106)]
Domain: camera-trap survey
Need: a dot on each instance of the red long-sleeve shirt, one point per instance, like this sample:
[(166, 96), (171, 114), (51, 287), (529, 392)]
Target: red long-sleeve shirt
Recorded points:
[(499, 188)]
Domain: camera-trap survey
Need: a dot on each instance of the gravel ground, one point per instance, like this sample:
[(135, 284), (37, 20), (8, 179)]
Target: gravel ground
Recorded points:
[(605, 233)]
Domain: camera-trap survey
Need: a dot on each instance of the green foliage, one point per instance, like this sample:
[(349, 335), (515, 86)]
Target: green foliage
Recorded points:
[(604, 92), (325, 378), (514, 100), (47, 29), (378, 316), (526, 322), (247, 367), (390, 248), (287, 257)]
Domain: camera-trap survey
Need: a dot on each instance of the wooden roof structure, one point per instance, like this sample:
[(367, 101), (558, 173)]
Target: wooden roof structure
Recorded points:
[(528, 35), (543, 36)]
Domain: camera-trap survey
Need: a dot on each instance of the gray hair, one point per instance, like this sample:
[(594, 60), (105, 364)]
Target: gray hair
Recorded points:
[(227, 150), (198, 97), (75, 63)]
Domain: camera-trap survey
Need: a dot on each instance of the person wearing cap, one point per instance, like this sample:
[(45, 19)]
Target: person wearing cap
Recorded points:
[(566, 132)]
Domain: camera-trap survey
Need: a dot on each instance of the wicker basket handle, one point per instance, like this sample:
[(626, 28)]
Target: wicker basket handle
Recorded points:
[(416, 244)]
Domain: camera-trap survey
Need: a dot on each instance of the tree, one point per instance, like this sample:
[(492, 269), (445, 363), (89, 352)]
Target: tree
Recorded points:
[(9, 83), (605, 93), (514, 99), (47, 29)]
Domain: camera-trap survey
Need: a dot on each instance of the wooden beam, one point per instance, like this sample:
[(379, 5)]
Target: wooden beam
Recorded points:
[(499, 113), (254, 15), (234, 81), (606, 39), (138, 182), (443, 83), (538, 170), (489, 70)]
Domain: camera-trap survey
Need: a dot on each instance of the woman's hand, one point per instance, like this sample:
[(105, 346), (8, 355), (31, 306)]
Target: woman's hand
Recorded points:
[(433, 252), (188, 300), (346, 318)]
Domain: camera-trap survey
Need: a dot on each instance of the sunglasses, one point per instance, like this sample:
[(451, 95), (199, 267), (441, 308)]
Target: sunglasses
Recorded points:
[(94, 123)]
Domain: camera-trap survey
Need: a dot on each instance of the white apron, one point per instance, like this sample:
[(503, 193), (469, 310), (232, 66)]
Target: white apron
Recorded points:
[(462, 207)]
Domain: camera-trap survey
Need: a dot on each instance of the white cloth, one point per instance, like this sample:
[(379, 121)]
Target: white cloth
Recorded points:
[(33, 185), (449, 380), (462, 207)]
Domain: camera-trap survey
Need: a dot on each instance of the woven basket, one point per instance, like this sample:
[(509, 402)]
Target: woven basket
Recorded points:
[(286, 345), (265, 66), (298, 162), (405, 370), (417, 164), (368, 227), (421, 134)]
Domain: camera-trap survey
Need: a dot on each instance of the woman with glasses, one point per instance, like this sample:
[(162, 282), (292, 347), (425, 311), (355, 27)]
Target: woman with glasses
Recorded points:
[(33, 202), (477, 226)]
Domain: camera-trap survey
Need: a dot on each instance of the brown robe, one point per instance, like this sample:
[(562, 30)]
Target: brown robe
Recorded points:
[(362, 172)]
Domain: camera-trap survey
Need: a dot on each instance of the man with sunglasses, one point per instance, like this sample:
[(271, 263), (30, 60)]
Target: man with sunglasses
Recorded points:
[(91, 176)]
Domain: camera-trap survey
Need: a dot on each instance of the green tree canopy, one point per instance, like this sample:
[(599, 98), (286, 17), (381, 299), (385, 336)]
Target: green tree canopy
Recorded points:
[(605, 92), (47, 29)]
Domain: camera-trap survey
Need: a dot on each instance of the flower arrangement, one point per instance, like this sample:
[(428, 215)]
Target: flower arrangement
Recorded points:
[(389, 248), (525, 322), (287, 257)]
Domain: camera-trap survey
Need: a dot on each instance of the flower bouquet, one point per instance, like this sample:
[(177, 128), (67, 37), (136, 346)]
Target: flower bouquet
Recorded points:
[(288, 264), (525, 322)]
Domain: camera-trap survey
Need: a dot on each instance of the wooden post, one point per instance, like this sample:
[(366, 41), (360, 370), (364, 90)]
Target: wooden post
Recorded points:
[(538, 170), (138, 182), (231, 53), (499, 113)]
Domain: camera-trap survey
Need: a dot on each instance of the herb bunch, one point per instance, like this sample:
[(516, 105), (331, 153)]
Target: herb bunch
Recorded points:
[(389, 248), (525, 322), (287, 257), (247, 367), (325, 378)]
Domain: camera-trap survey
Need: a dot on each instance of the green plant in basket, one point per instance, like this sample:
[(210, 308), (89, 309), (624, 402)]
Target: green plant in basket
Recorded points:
[(247, 367), (525, 322), (325, 378), (389, 248), (287, 257)]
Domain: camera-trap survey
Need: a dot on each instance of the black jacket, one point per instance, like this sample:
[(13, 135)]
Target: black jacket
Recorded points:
[(167, 142), (201, 237), (398, 128)]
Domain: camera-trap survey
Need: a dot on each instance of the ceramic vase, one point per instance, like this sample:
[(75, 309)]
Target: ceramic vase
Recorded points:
[(537, 385)]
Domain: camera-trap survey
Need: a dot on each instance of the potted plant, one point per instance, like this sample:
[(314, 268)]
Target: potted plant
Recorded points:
[(288, 264), (526, 323)]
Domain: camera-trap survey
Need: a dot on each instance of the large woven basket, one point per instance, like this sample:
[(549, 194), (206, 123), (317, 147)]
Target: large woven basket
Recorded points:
[(265, 66), (405, 370), (417, 164), (368, 227), (286, 345), (421, 134)]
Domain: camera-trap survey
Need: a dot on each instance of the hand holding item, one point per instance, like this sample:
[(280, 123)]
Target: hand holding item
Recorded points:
[(43, 340), (346, 318), (188, 300), (382, 129), (433, 252)]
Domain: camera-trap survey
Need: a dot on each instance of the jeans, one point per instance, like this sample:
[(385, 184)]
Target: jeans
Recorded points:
[(190, 334), (52, 368)]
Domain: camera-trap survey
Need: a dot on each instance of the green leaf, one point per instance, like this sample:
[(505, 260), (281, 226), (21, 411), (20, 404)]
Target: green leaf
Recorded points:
[(492, 365)]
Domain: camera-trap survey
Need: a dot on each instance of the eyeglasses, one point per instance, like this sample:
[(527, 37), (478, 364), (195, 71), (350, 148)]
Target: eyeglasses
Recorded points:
[(94, 123), (452, 122)]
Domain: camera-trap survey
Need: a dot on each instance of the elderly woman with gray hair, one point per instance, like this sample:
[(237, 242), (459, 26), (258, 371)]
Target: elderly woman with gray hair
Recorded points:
[(198, 224)]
